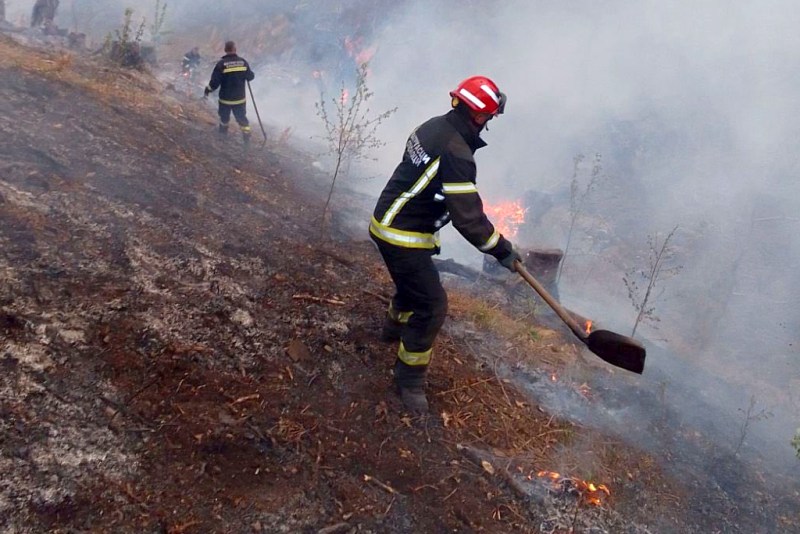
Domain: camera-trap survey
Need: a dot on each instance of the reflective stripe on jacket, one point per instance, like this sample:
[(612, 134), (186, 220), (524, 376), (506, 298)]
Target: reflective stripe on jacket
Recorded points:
[(231, 75), (435, 183)]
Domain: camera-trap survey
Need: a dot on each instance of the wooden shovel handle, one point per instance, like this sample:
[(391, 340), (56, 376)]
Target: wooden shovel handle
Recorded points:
[(548, 298)]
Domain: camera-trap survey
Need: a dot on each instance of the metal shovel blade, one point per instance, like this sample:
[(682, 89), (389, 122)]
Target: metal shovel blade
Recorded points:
[(617, 349)]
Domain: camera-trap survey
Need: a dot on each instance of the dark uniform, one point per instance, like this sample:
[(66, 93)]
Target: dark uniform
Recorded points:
[(231, 75), (433, 185), (191, 60), (44, 11)]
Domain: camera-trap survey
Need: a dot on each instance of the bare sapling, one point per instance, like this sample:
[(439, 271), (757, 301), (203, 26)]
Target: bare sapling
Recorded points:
[(350, 129), (750, 416), (157, 27), (642, 283), (577, 199), (125, 46)]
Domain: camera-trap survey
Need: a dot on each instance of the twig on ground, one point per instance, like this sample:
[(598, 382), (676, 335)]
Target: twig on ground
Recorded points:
[(254, 396), (381, 485), (382, 298), (133, 396), (312, 298), (467, 386)]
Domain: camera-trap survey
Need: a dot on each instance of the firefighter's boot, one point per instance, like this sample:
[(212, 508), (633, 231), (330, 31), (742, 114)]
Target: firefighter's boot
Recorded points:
[(414, 400), (410, 383), (223, 130)]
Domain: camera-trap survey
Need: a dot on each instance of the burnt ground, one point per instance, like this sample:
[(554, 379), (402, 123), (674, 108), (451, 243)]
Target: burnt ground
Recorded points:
[(181, 353)]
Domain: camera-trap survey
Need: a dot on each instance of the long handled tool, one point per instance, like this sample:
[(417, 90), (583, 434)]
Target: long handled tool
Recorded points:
[(255, 107), (616, 349)]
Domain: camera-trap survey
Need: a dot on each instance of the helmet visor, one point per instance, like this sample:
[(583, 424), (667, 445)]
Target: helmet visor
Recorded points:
[(501, 107)]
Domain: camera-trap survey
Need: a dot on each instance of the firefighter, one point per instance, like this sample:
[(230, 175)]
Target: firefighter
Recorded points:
[(44, 11), (433, 185), (191, 60), (231, 75)]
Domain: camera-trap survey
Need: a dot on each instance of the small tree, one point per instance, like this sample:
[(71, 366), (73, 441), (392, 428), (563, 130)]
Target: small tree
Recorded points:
[(577, 199), (126, 48), (750, 415), (796, 442), (157, 28), (350, 131), (641, 283)]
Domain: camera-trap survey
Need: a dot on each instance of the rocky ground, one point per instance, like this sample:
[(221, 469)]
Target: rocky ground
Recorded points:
[(181, 352)]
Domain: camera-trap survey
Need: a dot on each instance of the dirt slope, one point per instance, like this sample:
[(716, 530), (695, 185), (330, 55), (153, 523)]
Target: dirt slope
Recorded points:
[(180, 355)]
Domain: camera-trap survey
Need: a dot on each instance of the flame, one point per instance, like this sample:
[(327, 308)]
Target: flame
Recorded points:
[(589, 326), (506, 216), (553, 377), (590, 492), (549, 474)]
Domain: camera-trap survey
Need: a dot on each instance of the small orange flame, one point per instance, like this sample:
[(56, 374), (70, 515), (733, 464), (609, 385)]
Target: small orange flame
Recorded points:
[(590, 492), (548, 474), (506, 216), (553, 377), (589, 326)]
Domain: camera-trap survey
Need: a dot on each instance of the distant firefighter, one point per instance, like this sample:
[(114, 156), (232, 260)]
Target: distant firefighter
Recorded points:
[(44, 11), (191, 60), (231, 75)]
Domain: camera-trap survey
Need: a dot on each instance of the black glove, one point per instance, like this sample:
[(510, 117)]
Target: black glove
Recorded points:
[(206, 92), (508, 261)]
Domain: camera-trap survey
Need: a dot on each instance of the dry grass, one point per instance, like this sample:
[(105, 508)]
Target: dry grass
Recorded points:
[(110, 83), (517, 330)]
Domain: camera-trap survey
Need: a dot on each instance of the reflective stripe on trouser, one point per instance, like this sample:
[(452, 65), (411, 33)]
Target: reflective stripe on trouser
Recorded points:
[(413, 358), (419, 291), (396, 315)]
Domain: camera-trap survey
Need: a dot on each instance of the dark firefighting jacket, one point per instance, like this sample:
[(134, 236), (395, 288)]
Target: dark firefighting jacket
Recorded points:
[(433, 185), (231, 75), (190, 60)]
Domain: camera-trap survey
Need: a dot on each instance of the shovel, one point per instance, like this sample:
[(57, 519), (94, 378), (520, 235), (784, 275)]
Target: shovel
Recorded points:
[(255, 107), (618, 350)]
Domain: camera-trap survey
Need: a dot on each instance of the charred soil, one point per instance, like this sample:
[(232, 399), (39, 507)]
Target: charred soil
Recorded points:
[(181, 353)]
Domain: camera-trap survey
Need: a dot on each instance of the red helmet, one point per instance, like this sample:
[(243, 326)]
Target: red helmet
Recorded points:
[(480, 94)]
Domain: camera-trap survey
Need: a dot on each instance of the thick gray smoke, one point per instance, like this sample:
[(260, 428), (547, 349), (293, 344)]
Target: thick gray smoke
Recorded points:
[(693, 106)]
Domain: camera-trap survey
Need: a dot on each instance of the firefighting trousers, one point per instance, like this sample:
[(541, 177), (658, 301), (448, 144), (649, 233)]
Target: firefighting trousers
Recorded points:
[(419, 304), (239, 113)]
